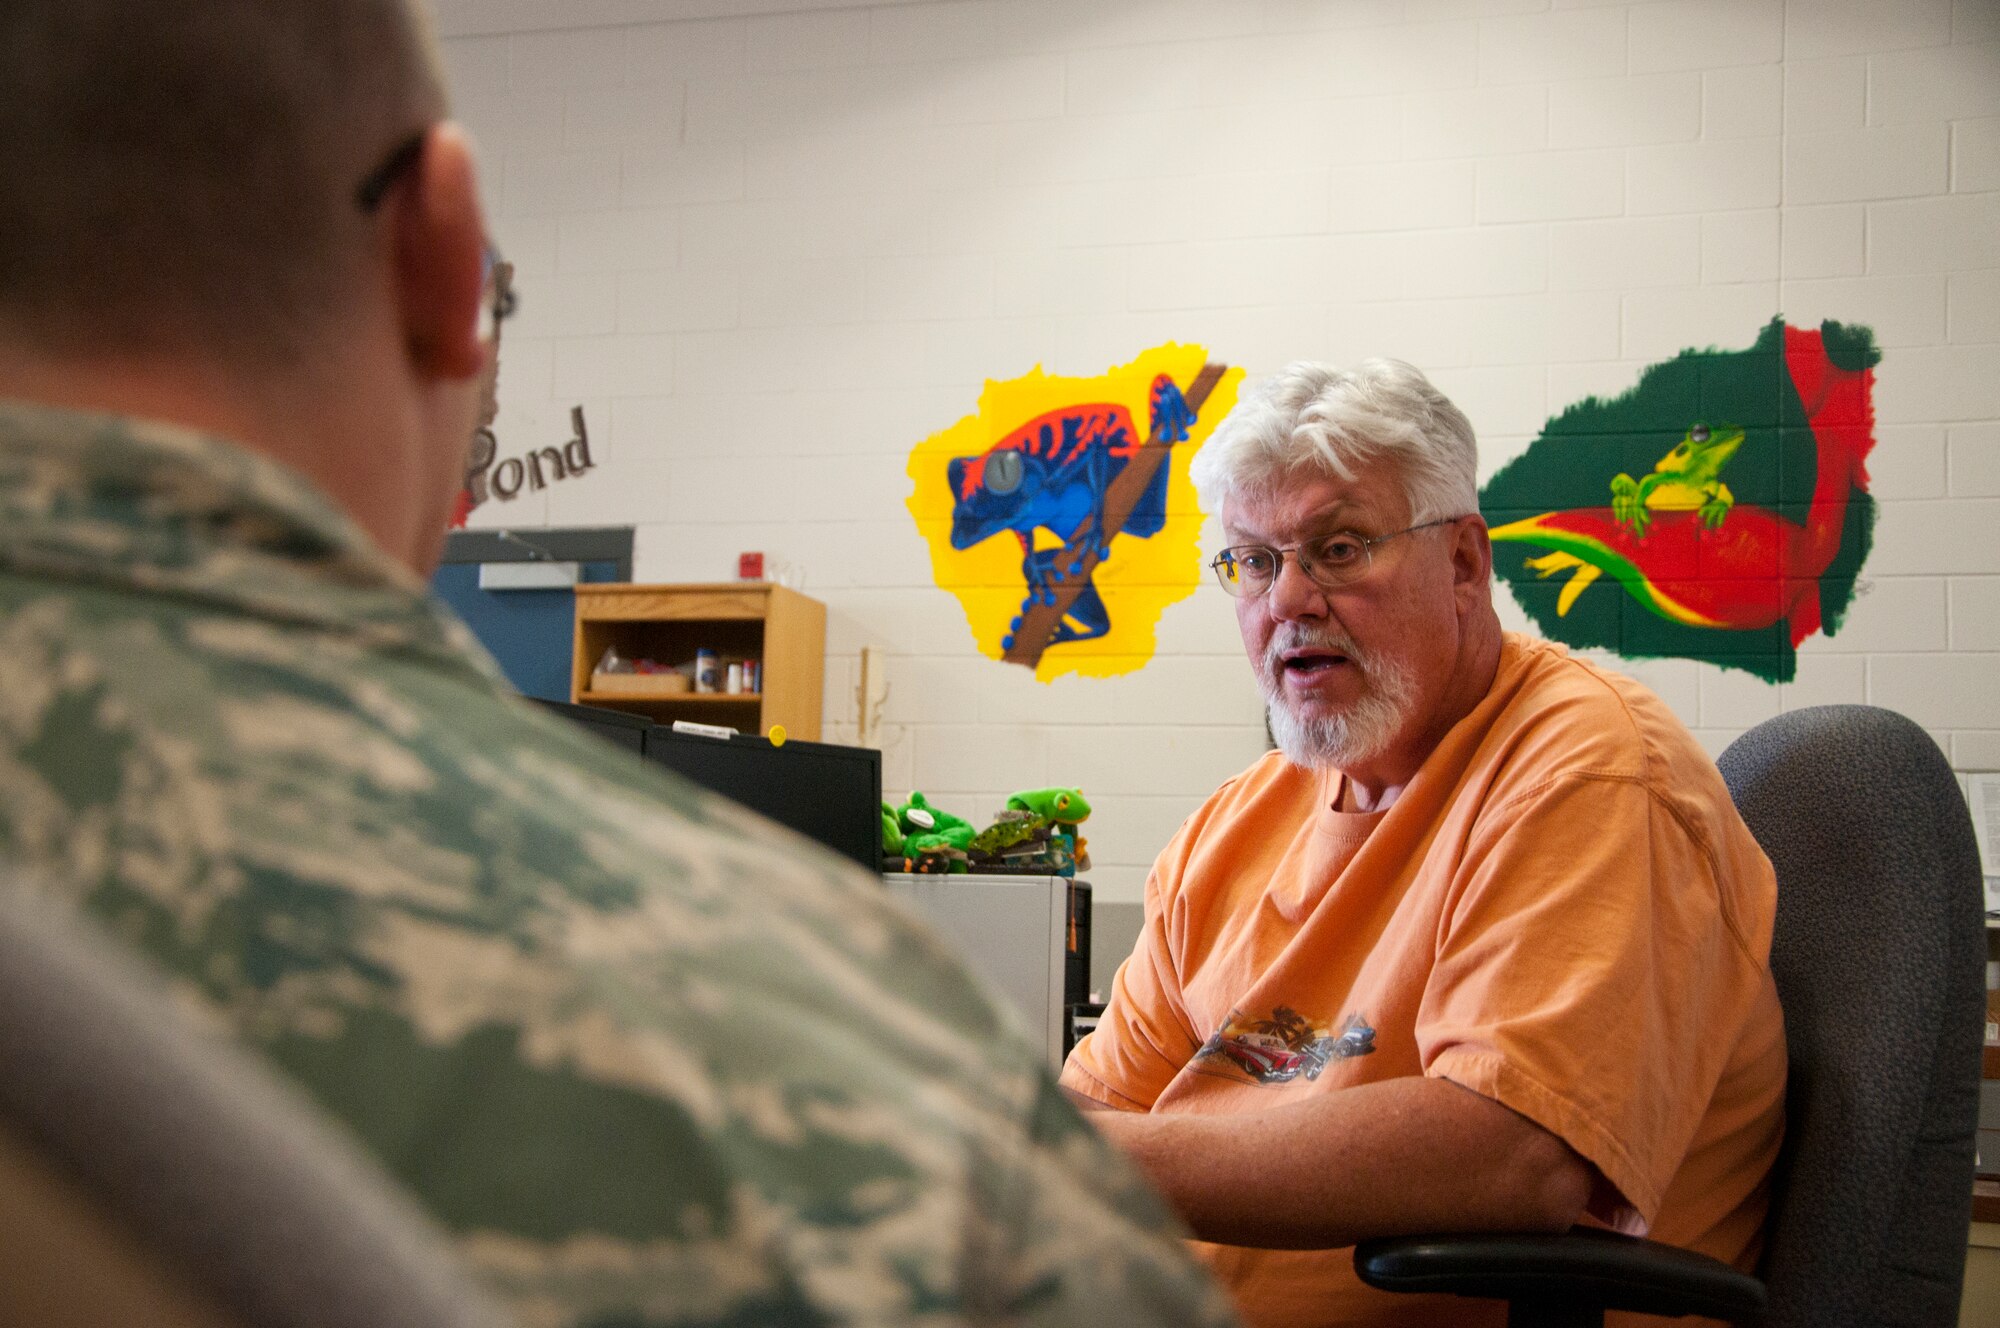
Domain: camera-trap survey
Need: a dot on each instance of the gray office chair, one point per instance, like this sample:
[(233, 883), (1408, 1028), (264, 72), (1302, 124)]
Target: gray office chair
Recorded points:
[(150, 1174), (1879, 956)]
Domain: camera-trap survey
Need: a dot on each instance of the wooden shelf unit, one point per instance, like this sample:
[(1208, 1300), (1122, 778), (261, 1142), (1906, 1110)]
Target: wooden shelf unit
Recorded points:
[(782, 629)]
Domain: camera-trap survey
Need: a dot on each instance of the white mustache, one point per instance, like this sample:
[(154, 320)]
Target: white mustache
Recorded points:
[(1312, 638)]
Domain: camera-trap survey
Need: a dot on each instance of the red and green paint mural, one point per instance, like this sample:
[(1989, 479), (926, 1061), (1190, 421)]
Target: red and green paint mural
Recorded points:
[(1717, 511)]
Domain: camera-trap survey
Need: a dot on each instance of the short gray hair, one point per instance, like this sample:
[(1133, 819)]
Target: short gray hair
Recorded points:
[(181, 174), (1314, 417)]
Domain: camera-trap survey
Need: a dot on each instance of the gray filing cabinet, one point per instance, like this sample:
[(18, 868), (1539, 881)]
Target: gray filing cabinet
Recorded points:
[(1013, 931)]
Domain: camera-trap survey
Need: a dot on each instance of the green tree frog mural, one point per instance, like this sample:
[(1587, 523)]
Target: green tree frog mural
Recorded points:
[(1742, 539)]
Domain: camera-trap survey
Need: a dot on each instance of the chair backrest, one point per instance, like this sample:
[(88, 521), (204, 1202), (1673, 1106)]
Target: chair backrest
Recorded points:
[(181, 1171), (1879, 957)]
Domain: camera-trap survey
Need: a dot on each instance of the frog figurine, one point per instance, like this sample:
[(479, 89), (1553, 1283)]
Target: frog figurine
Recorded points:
[(1689, 478), (1013, 827)]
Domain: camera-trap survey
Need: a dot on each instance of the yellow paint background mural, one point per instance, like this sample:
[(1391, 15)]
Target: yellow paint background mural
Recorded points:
[(1139, 577)]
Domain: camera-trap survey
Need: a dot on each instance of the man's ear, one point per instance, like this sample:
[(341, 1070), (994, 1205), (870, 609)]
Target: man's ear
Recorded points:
[(440, 247), (1471, 554)]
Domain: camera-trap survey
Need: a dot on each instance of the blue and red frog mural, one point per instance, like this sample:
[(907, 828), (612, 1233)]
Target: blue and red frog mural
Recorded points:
[(1103, 525), (1056, 472)]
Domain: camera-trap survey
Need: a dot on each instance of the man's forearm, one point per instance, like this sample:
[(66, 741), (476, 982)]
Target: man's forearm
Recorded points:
[(1400, 1156), (1083, 1101)]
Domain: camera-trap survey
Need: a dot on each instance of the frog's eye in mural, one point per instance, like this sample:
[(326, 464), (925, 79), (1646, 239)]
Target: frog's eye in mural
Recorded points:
[(1739, 571), (1003, 473)]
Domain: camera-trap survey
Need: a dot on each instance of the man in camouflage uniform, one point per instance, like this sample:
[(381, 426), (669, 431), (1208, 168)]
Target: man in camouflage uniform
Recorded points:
[(652, 1061)]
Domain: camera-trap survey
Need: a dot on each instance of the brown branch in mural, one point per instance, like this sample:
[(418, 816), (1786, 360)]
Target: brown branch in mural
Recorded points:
[(1079, 557)]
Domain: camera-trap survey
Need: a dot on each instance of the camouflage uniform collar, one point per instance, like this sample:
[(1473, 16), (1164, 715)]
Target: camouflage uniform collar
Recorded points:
[(136, 503)]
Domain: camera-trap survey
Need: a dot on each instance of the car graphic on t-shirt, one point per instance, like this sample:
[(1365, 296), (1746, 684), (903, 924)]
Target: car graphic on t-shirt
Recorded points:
[(1262, 1055), (1279, 1057)]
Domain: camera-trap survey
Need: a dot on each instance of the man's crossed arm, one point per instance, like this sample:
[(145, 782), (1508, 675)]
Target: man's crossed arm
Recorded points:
[(1401, 1156)]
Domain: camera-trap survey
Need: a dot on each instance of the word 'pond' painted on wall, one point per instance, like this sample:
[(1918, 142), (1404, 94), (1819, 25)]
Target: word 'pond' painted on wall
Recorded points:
[(506, 480)]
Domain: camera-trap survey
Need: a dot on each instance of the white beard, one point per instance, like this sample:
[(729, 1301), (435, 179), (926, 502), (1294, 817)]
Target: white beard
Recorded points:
[(1337, 741)]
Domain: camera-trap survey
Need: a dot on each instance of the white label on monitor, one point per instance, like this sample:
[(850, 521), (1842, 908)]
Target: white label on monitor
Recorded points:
[(529, 576)]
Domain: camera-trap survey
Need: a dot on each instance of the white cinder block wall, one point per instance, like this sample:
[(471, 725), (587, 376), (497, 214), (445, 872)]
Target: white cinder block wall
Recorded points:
[(770, 251)]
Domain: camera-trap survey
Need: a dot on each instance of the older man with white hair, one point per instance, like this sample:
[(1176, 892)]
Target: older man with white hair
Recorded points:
[(1484, 945)]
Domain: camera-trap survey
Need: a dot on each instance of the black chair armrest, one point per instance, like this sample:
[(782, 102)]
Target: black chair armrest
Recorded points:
[(1579, 1268)]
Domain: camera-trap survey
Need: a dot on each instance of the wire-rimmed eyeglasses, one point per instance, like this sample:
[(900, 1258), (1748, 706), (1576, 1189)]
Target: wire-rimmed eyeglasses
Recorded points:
[(1331, 561), (501, 301)]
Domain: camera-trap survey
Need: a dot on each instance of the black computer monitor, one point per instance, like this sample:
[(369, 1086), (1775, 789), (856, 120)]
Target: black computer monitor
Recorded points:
[(628, 731), (826, 792)]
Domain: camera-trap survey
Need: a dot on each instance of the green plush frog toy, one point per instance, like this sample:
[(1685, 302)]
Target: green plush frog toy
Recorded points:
[(1689, 478), (925, 826), (1066, 806), (1063, 806)]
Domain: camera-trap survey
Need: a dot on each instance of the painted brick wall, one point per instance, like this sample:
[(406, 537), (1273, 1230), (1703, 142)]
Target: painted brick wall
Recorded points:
[(770, 253)]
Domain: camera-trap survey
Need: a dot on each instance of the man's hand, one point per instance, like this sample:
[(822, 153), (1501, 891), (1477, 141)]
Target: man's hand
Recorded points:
[(1399, 1157)]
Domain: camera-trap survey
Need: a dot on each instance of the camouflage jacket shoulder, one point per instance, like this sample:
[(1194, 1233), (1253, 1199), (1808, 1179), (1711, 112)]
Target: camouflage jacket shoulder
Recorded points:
[(651, 1060)]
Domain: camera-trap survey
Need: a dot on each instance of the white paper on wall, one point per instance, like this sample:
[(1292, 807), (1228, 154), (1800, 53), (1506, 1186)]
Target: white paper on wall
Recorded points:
[(1984, 794)]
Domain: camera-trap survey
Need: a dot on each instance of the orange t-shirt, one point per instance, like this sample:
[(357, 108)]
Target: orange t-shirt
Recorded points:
[(1562, 911)]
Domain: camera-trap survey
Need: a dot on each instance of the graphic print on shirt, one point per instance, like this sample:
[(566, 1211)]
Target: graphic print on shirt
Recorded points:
[(1279, 1049)]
